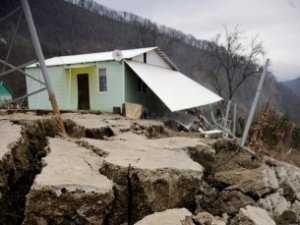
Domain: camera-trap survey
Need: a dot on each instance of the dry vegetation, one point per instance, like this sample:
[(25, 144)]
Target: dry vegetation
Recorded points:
[(275, 135)]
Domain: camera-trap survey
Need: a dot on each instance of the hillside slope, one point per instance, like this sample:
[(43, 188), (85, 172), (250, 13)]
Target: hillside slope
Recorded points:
[(294, 85), (66, 29)]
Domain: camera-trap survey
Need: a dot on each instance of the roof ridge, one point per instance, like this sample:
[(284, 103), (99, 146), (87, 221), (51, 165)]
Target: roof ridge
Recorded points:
[(93, 57)]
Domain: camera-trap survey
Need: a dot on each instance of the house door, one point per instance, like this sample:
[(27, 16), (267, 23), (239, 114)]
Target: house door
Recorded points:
[(83, 92)]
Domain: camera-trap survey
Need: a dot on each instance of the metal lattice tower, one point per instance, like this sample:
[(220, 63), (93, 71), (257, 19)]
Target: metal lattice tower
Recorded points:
[(24, 9)]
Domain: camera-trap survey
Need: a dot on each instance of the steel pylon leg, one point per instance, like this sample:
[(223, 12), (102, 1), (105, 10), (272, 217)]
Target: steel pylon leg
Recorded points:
[(39, 53)]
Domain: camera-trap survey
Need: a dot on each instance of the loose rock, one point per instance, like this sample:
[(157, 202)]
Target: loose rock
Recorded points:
[(275, 204), (208, 219), (168, 217), (253, 216), (255, 182)]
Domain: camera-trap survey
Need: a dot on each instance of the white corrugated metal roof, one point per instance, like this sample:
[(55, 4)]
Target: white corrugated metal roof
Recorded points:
[(92, 57), (176, 90)]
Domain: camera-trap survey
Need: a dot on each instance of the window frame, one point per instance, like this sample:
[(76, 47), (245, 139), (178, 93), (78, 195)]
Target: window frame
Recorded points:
[(99, 80)]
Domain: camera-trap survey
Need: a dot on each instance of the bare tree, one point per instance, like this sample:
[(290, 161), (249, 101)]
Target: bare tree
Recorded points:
[(235, 61)]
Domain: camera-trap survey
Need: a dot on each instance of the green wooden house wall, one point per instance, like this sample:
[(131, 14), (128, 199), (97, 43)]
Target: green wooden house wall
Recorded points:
[(5, 94), (64, 81), (122, 84)]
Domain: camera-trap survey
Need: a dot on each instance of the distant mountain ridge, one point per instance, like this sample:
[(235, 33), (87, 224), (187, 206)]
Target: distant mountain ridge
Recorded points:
[(294, 85)]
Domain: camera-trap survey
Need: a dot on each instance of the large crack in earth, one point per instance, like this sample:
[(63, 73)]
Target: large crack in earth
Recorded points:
[(139, 189), (140, 192), (20, 166)]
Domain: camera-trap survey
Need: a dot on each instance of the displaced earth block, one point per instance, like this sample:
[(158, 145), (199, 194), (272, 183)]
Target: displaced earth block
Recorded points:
[(110, 170), (69, 188), (155, 174)]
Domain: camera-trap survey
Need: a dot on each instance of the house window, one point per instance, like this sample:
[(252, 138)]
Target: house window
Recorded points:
[(142, 87), (102, 80)]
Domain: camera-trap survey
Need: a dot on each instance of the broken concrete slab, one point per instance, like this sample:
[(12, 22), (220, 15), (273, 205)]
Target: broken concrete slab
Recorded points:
[(167, 217), (69, 186), (155, 174), (140, 152), (10, 134)]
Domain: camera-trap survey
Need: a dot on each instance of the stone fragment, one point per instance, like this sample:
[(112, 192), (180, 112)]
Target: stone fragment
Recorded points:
[(289, 178), (256, 182), (253, 216), (167, 217), (208, 219), (228, 202), (275, 204)]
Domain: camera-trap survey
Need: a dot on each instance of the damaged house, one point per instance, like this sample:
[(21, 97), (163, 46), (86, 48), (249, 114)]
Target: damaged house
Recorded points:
[(105, 81)]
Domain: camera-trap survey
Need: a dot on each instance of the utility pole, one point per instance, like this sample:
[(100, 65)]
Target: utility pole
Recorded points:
[(254, 104), (39, 53), (234, 119), (225, 125)]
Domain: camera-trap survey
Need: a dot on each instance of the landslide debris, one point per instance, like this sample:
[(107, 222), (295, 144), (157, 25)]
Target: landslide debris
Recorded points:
[(114, 171)]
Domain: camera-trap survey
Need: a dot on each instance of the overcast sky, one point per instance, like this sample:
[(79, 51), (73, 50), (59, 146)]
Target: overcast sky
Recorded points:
[(277, 22)]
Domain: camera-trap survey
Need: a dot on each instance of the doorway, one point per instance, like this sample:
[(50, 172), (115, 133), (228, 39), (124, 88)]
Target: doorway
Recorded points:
[(83, 91)]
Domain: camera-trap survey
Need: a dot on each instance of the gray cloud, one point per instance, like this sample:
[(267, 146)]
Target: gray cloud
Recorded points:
[(276, 21)]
